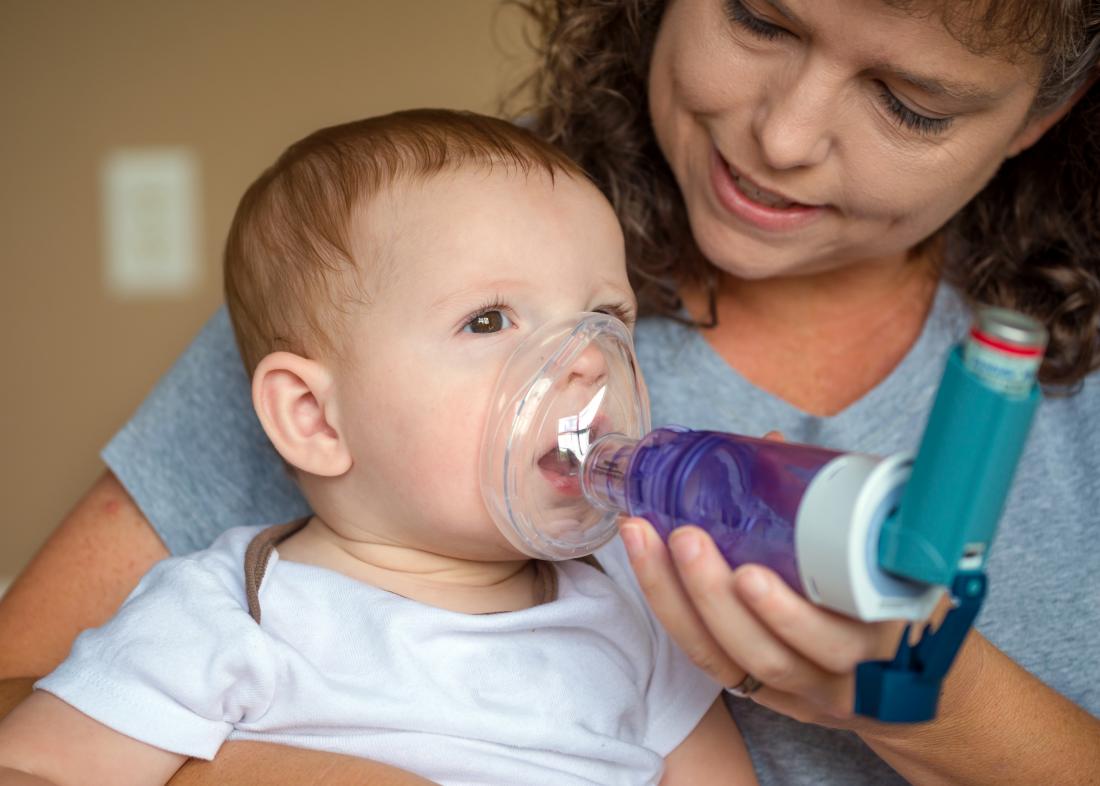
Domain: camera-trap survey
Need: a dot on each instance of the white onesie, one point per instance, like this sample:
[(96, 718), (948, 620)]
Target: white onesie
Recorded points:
[(585, 688)]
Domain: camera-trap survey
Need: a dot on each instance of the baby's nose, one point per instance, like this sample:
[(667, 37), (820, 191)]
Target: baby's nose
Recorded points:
[(590, 367)]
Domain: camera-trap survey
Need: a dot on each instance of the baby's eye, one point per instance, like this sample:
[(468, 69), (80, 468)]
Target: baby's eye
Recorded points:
[(490, 321)]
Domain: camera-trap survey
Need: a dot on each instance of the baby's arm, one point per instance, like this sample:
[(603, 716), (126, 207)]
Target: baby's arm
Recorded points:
[(242, 761), (47, 738), (714, 752)]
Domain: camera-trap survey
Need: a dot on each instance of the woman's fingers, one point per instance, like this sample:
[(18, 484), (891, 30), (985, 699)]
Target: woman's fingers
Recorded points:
[(834, 642), (671, 604), (748, 620), (745, 638)]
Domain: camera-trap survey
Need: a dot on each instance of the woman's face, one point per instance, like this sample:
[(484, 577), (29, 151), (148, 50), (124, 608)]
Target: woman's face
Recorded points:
[(809, 135)]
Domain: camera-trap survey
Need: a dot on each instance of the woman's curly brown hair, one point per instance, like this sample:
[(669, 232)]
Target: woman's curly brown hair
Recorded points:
[(1030, 240)]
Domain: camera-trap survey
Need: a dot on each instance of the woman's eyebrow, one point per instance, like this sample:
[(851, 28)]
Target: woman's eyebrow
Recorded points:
[(946, 88)]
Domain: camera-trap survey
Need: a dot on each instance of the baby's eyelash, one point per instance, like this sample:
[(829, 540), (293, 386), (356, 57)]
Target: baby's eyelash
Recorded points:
[(621, 311), (495, 303)]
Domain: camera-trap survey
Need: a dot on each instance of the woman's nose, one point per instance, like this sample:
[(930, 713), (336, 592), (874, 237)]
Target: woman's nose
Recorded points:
[(793, 121)]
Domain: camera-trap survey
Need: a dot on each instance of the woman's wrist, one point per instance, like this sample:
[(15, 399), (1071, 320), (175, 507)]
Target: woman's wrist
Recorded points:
[(997, 724), (962, 703)]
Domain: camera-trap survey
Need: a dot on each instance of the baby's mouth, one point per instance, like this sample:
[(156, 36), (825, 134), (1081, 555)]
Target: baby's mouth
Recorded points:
[(559, 461), (561, 465)]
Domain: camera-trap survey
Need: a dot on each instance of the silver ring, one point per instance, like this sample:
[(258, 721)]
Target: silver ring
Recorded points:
[(745, 687)]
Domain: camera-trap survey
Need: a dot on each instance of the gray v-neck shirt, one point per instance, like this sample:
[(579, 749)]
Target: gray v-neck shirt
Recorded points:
[(197, 463)]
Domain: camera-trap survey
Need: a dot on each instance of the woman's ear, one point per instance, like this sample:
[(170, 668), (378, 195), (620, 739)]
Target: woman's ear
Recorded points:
[(294, 400)]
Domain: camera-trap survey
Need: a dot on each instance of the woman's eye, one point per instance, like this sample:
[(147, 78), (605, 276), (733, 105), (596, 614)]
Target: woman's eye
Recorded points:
[(491, 320), (739, 14), (914, 121)]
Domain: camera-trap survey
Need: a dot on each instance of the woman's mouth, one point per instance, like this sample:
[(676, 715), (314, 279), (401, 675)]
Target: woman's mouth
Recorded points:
[(755, 204), (760, 195)]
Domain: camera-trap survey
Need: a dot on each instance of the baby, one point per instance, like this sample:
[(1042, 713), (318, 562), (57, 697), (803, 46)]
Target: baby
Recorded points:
[(378, 277)]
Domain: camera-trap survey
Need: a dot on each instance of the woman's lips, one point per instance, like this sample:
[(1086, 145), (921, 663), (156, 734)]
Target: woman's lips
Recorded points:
[(755, 205)]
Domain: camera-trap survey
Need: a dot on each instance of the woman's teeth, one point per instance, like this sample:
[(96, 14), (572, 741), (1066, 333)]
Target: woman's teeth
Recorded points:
[(757, 194)]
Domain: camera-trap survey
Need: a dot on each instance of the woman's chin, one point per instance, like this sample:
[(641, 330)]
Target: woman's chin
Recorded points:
[(745, 260)]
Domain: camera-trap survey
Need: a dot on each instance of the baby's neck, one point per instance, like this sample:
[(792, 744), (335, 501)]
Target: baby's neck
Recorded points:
[(471, 587)]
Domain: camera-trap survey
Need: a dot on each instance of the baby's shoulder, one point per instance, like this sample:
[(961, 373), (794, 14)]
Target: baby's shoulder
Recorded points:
[(210, 576)]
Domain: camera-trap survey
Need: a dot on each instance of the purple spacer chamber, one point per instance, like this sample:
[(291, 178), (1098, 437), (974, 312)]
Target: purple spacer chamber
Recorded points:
[(745, 492)]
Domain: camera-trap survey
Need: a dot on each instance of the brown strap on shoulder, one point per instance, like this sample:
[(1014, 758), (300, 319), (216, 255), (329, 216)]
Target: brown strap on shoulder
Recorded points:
[(258, 554), (256, 557), (547, 577), (590, 560)]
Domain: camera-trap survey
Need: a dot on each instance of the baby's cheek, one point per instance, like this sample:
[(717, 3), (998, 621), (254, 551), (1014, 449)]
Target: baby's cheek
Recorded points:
[(442, 462)]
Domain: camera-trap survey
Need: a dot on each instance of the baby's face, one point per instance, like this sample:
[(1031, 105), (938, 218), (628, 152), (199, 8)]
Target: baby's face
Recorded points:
[(468, 263)]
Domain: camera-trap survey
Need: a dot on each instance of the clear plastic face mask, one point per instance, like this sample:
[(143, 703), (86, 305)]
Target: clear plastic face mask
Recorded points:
[(569, 383)]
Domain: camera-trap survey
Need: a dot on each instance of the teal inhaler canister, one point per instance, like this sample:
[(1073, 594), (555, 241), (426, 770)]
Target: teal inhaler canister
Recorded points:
[(968, 455), (943, 527)]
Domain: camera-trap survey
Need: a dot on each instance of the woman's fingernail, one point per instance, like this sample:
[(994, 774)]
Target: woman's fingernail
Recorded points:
[(634, 539), (684, 547), (753, 585)]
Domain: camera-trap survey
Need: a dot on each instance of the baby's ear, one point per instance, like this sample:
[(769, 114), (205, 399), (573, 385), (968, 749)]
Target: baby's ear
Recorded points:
[(294, 400)]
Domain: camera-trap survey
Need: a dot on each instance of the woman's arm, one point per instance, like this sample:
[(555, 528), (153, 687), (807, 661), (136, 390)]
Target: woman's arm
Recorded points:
[(77, 580), (996, 724)]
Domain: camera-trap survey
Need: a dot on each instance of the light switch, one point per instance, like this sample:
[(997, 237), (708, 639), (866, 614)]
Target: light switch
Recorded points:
[(150, 201)]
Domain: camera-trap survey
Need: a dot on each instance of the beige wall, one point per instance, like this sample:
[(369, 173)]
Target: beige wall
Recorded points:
[(236, 81)]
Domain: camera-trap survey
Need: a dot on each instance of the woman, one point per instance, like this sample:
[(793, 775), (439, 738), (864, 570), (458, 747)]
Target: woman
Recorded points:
[(825, 169), (804, 184)]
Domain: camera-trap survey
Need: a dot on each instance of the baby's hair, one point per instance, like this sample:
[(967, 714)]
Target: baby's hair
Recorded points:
[(290, 274)]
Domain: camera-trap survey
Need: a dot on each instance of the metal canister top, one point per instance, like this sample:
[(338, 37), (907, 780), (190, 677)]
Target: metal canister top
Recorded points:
[(1005, 349), (1012, 327)]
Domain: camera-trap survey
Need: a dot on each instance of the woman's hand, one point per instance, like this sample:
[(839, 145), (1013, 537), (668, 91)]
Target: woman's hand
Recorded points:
[(733, 622), (996, 723)]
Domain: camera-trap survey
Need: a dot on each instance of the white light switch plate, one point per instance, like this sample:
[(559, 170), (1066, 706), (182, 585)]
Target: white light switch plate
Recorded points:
[(150, 213)]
